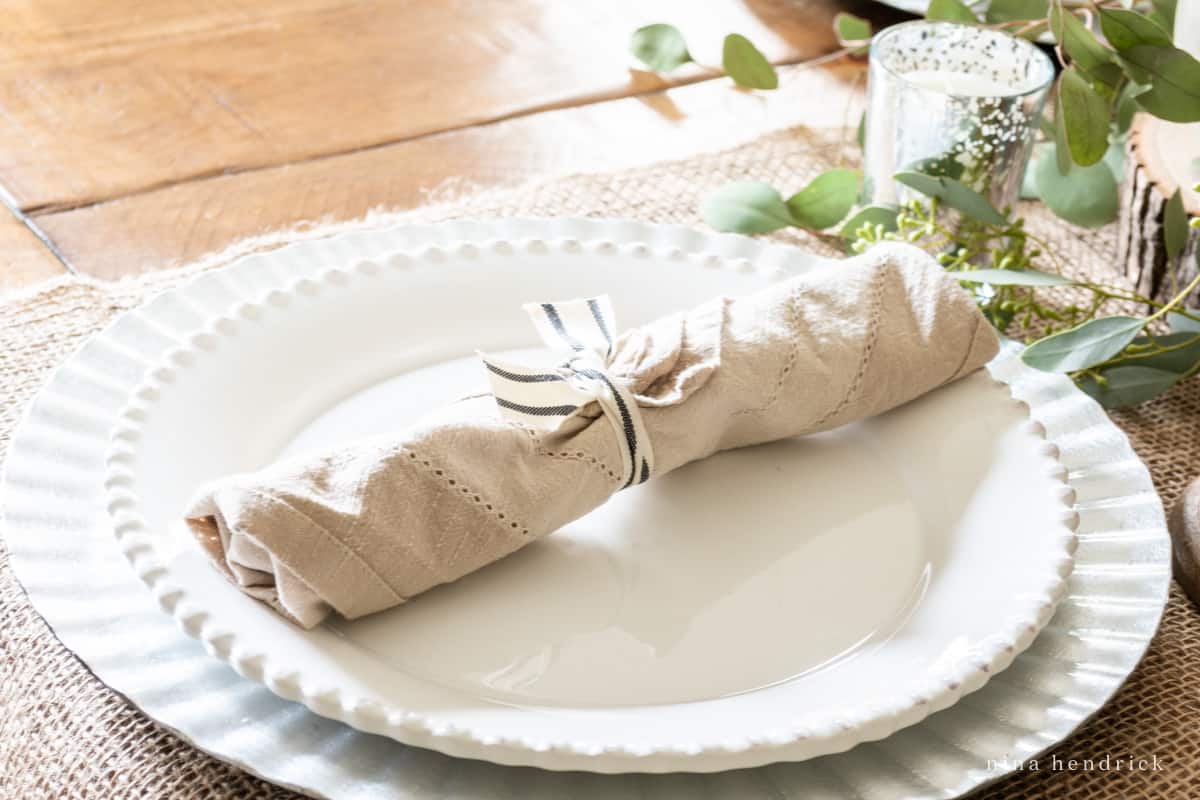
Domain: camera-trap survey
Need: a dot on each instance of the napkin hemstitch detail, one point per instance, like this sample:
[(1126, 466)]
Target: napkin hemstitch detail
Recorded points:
[(788, 363), (868, 347), (345, 548), (475, 497), (583, 458)]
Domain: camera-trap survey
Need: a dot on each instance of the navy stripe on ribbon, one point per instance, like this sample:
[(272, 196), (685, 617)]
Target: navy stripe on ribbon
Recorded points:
[(626, 421), (599, 317), (544, 377), (557, 323)]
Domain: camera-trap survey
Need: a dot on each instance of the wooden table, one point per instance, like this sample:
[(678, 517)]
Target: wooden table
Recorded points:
[(137, 136)]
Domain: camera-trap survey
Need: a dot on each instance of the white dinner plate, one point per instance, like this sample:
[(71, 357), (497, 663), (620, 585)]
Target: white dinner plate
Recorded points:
[(767, 604), (62, 551)]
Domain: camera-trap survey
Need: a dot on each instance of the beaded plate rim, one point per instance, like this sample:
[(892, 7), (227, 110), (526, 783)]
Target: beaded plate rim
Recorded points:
[(792, 741)]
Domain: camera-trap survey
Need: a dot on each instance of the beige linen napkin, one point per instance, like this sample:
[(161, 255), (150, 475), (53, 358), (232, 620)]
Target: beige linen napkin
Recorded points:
[(373, 523)]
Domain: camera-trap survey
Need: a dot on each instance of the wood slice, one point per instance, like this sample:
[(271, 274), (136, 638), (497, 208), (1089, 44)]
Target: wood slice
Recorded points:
[(1162, 156)]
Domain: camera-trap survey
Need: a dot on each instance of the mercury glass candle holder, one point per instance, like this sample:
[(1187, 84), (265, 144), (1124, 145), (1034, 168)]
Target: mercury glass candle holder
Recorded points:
[(955, 100)]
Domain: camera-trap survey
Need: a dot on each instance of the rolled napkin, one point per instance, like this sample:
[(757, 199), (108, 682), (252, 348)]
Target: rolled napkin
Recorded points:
[(371, 524)]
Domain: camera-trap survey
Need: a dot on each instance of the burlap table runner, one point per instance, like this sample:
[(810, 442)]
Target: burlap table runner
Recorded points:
[(63, 734)]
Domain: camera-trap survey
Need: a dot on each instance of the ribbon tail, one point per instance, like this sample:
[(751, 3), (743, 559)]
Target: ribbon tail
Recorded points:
[(576, 326), (539, 397)]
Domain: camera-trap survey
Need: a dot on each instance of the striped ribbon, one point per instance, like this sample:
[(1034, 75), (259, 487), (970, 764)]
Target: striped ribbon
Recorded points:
[(542, 398)]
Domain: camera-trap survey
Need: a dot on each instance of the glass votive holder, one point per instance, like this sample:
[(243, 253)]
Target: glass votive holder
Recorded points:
[(956, 100)]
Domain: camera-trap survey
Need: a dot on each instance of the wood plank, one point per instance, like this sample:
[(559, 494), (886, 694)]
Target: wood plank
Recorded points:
[(24, 259), (166, 227), (99, 100)]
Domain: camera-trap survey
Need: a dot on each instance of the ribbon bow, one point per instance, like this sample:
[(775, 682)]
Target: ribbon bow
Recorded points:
[(542, 398)]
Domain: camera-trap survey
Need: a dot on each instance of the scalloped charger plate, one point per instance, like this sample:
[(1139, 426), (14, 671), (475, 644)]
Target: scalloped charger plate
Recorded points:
[(768, 604), (62, 550)]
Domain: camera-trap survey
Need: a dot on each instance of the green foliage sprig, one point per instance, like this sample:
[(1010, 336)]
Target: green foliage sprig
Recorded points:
[(661, 48), (1120, 359), (1016, 278), (756, 207), (1117, 57)]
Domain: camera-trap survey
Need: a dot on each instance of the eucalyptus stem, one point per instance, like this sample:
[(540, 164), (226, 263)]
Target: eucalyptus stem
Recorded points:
[(1150, 353), (1176, 300)]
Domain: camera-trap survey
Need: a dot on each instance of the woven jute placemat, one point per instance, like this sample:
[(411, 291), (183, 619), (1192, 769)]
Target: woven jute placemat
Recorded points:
[(63, 734)]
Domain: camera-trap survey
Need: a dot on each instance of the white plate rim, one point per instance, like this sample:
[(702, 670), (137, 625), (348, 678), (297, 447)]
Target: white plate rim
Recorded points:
[(1074, 420), (289, 679)]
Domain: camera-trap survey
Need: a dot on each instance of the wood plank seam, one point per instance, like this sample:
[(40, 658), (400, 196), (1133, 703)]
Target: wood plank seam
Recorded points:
[(32, 226), (181, 223), (576, 102)]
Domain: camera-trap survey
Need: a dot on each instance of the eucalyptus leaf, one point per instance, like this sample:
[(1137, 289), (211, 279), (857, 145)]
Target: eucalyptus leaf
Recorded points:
[(660, 47), (1162, 21), (882, 215), (1115, 157), (1179, 323), (861, 134), (747, 65), (1126, 29), (851, 29), (1086, 196), (950, 11), (1174, 78), (1083, 346), (746, 207), (1164, 13), (1062, 151), (1107, 80), (1175, 225), (1127, 105), (1006, 10), (954, 194), (1180, 360), (1080, 44), (826, 200), (1013, 277), (1085, 118), (945, 165), (1135, 74), (1128, 385)]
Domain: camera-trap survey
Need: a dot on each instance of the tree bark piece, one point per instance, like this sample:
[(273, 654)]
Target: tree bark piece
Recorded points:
[(1184, 523), (1162, 156)]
